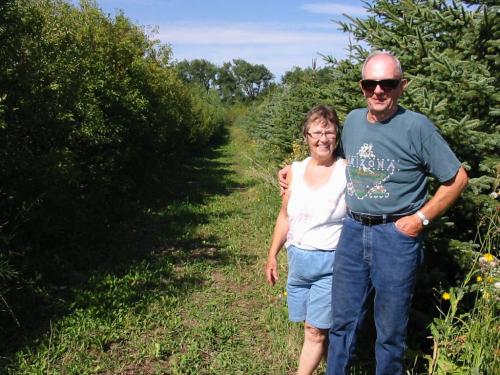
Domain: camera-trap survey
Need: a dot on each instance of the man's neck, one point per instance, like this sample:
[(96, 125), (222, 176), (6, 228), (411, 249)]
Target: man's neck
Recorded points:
[(379, 117)]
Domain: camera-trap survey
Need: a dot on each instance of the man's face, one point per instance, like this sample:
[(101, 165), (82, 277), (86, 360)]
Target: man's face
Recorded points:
[(382, 99)]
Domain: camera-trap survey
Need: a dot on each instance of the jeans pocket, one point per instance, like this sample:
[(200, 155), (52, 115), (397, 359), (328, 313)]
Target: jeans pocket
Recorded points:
[(398, 231)]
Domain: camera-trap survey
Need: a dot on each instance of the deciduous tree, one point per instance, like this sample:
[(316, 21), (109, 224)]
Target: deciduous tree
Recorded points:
[(200, 71)]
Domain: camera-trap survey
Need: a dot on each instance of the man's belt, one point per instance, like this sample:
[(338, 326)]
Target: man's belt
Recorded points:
[(366, 219)]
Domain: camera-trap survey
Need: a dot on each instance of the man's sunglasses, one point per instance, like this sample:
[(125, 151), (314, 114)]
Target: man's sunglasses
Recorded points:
[(385, 84)]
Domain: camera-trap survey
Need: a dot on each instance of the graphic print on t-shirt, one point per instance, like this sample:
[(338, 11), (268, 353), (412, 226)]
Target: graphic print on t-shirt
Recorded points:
[(367, 173)]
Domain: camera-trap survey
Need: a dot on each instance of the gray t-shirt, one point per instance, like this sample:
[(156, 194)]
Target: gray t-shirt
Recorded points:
[(388, 162)]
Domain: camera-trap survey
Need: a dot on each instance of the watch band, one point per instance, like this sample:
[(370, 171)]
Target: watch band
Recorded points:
[(422, 217)]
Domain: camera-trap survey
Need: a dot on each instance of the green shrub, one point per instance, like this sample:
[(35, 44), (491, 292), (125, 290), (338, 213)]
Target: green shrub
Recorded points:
[(91, 113)]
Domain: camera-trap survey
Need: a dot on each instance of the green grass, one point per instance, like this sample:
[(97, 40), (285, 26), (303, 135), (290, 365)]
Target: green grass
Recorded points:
[(186, 294), (183, 291)]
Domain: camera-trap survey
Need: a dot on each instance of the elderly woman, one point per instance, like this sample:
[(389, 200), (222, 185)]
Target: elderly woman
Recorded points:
[(309, 224)]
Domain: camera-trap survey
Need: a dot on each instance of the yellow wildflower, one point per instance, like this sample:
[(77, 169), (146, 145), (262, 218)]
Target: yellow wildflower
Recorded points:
[(486, 296), (490, 279), (446, 296), (488, 257), (285, 293), (479, 279)]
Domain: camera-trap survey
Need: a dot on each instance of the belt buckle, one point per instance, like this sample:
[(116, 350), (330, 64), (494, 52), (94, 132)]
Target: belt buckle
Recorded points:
[(375, 220), (366, 219)]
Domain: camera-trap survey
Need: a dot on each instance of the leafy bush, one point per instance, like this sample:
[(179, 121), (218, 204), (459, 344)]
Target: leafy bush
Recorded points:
[(208, 115), (91, 112)]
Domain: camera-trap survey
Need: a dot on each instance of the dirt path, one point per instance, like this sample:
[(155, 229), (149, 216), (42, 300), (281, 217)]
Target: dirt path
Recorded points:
[(236, 324)]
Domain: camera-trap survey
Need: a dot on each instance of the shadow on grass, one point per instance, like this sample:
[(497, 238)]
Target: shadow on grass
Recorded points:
[(150, 246)]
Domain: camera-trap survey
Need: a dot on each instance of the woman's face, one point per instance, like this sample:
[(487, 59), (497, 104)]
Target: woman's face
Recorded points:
[(321, 139)]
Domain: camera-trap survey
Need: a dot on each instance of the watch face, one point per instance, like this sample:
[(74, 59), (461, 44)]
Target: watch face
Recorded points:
[(422, 217)]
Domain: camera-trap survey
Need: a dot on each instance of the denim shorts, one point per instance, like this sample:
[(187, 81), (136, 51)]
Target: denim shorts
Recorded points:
[(309, 287)]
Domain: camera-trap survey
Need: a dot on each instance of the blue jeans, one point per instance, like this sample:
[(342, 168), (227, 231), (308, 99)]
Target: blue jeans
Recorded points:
[(378, 259)]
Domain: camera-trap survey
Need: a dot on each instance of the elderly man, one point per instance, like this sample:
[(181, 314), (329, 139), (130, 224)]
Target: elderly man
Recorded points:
[(390, 151)]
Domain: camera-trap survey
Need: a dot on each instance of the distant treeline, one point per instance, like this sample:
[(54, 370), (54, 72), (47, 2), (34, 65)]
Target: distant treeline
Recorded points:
[(234, 81)]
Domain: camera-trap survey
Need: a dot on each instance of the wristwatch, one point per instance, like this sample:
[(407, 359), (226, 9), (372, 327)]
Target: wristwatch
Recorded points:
[(422, 217)]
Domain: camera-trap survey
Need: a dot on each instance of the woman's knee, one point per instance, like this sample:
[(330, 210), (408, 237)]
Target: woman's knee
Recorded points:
[(314, 334)]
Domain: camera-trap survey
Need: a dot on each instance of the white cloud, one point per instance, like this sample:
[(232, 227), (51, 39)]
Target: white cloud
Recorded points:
[(244, 33), (126, 3), (278, 46), (334, 8)]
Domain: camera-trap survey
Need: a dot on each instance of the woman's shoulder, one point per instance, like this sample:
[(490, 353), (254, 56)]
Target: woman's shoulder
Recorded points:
[(298, 170), (301, 163)]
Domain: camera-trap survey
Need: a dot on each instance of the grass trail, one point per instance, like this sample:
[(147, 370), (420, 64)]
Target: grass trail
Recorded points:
[(185, 294)]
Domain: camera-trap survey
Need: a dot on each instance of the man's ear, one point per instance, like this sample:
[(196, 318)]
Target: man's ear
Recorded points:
[(361, 87), (404, 84)]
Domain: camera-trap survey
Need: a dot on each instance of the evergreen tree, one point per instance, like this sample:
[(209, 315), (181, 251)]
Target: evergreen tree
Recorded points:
[(449, 53)]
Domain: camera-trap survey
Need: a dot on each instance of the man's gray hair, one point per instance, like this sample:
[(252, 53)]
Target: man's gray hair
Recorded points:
[(382, 52)]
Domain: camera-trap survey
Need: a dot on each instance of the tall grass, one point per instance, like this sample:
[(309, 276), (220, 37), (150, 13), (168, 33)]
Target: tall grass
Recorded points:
[(467, 335)]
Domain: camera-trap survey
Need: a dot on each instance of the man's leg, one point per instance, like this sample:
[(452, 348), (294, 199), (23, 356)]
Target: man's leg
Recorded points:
[(396, 258), (351, 287)]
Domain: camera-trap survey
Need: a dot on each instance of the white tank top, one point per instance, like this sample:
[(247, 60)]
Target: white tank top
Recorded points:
[(315, 214)]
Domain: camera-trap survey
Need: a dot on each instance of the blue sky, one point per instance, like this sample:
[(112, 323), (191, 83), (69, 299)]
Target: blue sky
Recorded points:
[(277, 33)]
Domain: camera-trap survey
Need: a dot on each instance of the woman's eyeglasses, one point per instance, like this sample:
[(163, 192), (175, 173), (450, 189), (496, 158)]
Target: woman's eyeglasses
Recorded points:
[(318, 135), (385, 84)]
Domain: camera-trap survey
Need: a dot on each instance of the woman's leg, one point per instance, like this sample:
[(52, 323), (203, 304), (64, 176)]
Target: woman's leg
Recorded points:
[(313, 350)]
